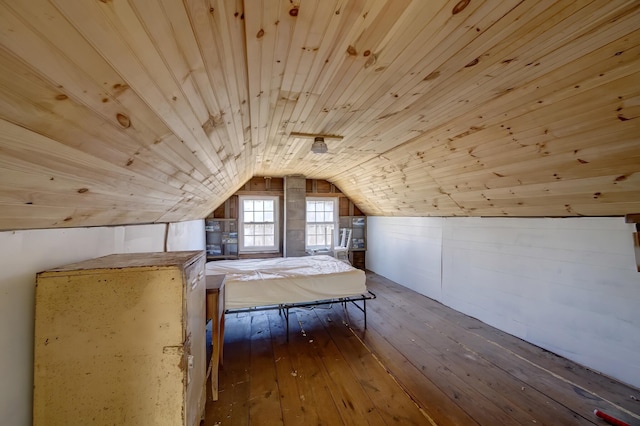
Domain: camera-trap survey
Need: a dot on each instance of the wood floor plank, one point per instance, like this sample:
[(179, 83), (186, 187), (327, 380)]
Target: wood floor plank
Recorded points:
[(394, 405), (438, 405), (232, 407), (264, 394), (305, 399), (293, 411), (419, 362), (609, 389), (516, 398), (577, 402), (568, 383), (449, 377), (354, 404)]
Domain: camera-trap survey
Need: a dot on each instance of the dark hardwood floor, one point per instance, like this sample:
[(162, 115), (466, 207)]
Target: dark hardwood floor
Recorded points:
[(418, 362)]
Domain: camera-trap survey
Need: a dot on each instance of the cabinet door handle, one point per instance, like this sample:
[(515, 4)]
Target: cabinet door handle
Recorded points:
[(189, 367), (196, 280)]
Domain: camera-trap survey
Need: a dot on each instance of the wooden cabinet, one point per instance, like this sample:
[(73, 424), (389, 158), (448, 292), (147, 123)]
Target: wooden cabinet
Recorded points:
[(222, 238), (121, 340)]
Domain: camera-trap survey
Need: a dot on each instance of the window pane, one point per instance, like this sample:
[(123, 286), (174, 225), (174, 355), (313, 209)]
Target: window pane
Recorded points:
[(269, 230), (259, 223), (320, 215)]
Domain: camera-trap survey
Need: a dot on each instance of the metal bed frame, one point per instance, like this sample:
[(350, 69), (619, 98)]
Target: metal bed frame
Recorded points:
[(285, 307)]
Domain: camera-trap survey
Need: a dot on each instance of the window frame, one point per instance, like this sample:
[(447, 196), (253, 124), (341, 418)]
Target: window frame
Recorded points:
[(336, 222), (242, 247)]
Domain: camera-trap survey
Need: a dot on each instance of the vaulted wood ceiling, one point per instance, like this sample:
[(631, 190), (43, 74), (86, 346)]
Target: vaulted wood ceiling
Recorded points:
[(115, 111)]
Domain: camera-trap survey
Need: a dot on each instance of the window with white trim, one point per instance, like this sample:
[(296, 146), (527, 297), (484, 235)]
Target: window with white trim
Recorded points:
[(322, 223), (259, 223)]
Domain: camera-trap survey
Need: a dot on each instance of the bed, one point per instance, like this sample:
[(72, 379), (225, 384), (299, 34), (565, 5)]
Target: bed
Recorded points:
[(290, 282)]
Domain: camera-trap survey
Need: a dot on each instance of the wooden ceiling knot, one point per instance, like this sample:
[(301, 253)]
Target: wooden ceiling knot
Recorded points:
[(472, 63), (123, 120), (460, 6), (432, 76), (371, 61)]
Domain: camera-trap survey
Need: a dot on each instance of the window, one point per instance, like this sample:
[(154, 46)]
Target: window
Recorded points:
[(322, 221), (259, 224)]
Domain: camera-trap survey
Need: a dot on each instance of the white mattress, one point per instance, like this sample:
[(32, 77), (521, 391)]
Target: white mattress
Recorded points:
[(260, 282)]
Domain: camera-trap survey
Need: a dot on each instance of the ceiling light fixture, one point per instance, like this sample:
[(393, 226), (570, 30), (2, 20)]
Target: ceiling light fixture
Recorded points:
[(319, 146)]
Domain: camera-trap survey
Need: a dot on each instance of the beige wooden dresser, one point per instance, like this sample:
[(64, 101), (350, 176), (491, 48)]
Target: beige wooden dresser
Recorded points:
[(121, 340)]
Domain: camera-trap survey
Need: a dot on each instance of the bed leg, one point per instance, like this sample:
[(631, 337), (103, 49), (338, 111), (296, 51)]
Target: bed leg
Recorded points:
[(286, 318), (365, 313)]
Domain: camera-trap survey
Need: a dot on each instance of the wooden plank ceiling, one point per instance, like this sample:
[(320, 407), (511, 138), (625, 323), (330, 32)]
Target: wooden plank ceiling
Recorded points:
[(116, 111)]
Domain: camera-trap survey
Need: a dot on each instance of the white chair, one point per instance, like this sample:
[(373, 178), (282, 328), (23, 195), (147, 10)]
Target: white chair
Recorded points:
[(341, 251)]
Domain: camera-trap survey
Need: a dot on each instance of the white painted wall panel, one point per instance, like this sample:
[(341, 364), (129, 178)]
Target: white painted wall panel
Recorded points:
[(23, 254), (406, 250), (567, 285), (142, 238), (187, 235)]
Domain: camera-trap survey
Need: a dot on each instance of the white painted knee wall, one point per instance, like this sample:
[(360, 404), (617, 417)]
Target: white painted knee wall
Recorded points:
[(567, 285), (25, 253)]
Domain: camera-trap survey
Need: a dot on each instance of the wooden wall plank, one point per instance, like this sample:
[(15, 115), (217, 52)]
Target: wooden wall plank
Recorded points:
[(133, 54)]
